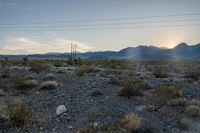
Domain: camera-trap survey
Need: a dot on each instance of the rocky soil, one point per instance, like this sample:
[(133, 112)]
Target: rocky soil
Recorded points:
[(92, 98)]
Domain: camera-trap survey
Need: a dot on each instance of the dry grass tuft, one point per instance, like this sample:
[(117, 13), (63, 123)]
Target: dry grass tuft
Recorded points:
[(18, 113), (27, 84), (49, 85), (132, 122)]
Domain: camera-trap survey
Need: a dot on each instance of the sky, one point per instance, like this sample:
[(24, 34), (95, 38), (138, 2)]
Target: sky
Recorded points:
[(42, 26)]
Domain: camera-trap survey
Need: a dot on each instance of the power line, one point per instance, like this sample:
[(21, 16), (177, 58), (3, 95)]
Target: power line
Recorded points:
[(107, 19), (107, 24), (110, 28), (100, 5)]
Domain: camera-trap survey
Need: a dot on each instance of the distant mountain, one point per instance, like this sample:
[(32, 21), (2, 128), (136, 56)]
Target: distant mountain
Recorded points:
[(181, 51)]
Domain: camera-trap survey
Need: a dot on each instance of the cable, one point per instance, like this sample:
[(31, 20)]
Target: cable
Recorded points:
[(110, 28), (108, 19), (109, 24)]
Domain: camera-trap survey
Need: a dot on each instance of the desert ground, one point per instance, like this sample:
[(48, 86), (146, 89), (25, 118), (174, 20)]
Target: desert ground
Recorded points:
[(99, 96)]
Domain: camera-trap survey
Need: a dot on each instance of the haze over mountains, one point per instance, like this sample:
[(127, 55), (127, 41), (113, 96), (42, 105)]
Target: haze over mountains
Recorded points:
[(181, 51)]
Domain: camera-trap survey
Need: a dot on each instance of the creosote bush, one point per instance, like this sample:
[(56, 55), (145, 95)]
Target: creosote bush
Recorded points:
[(132, 87), (163, 94), (37, 66), (159, 73)]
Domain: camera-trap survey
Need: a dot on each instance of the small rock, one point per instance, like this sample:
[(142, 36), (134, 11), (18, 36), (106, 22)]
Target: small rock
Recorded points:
[(96, 124), (61, 109), (70, 127), (96, 93)]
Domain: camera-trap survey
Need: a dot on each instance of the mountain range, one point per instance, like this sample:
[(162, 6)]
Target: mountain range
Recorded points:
[(181, 51)]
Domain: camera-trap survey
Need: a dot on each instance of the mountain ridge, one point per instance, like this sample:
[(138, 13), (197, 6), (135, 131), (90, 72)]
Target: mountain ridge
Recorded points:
[(180, 51)]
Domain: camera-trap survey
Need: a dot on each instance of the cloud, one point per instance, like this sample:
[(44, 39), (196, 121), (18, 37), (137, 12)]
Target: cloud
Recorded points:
[(31, 46)]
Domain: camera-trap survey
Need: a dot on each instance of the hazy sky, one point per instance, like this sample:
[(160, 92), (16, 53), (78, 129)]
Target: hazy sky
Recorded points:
[(40, 26)]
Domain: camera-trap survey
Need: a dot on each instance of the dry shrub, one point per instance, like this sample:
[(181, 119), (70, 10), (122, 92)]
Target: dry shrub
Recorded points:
[(132, 122), (132, 87), (162, 94), (38, 66), (84, 70), (177, 102), (18, 113), (50, 76), (159, 73), (185, 122), (193, 111), (49, 85), (193, 74), (195, 102), (2, 93), (27, 84)]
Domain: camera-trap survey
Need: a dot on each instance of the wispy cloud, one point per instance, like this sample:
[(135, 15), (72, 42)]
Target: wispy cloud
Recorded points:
[(24, 45)]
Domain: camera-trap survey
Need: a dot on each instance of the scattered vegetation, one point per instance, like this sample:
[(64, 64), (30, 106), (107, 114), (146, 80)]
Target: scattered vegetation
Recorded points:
[(131, 123), (84, 70), (159, 73), (132, 87)]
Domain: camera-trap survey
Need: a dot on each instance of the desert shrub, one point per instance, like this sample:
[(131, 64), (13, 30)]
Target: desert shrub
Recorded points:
[(162, 94), (193, 74), (84, 70), (185, 122), (132, 87), (37, 67), (177, 102), (195, 102), (27, 84), (58, 63), (50, 76), (5, 73), (159, 73), (193, 111), (18, 113), (132, 122), (49, 85), (2, 93)]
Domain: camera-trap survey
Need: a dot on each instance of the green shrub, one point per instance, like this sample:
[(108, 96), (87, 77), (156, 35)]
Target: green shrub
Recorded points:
[(132, 87)]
